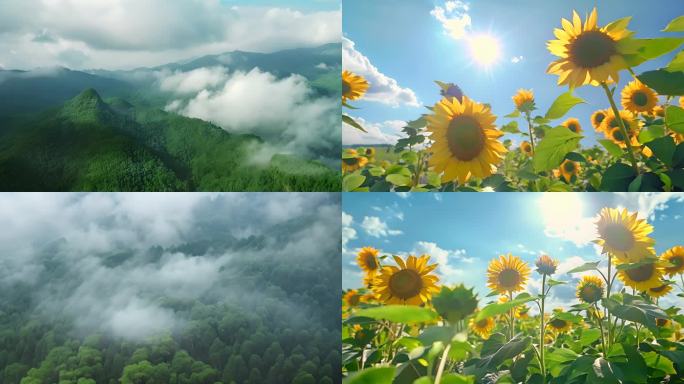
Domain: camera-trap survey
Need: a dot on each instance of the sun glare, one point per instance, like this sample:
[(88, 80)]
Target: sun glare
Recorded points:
[(484, 49)]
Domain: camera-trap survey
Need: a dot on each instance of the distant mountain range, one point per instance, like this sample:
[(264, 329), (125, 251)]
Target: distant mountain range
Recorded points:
[(58, 134)]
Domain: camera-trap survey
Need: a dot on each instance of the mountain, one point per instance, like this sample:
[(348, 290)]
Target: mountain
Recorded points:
[(89, 144)]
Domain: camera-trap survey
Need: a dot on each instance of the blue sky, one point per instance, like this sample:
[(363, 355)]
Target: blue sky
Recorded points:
[(407, 43), (464, 231)]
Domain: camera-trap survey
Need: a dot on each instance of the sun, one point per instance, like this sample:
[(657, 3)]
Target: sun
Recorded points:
[(484, 49)]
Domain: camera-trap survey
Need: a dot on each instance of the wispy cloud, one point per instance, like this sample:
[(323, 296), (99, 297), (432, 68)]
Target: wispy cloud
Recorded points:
[(455, 19), (375, 227)]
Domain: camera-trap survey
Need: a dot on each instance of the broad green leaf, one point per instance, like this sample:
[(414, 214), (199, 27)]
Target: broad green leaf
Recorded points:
[(664, 82), (677, 64), (553, 148), (635, 310), (674, 118), (409, 157), (611, 147), (437, 333), (678, 157), (574, 156), (562, 105), (591, 266), (552, 282), (650, 133), (513, 114), (604, 371), (352, 181), (399, 313), (637, 51), (663, 149), (350, 121), (519, 368), (511, 127), (617, 178), (420, 122), (558, 359), (676, 25), (499, 308), (377, 375), (659, 362), (455, 378), (507, 351), (398, 179), (377, 171), (589, 336)]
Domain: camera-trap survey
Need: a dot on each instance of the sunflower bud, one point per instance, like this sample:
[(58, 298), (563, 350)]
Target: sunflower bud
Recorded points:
[(546, 265), (455, 304)]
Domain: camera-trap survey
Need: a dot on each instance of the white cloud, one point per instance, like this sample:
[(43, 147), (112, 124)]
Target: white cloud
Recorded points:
[(383, 89), (386, 132), (403, 195), (132, 33), (648, 204), (375, 227), (348, 233), (454, 17), (281, 111), (517, 59), (564, 218)]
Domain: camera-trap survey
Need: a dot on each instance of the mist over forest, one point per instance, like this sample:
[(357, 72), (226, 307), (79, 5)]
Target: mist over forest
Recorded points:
[(169, 288)]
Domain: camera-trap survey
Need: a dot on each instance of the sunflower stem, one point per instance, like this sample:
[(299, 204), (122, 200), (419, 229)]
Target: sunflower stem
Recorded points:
[(600, 323), (529, 129), (440, 369), (610, 284), (628, 142), (541, 331)]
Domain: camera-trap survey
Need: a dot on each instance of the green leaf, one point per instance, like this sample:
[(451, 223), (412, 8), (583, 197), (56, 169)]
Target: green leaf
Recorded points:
[(513, 114), (519, 368), (676, 25), (511, 127), (591, 266), (635, 310), (377, 171), (617, 178), (398, 179), (409, 157), (507, 351), (678, 157), (562, 105), (677, 64), (350, 121), (650, 133), (589, 336), (659, 362), (434, 179), (433, 334), (377, 375), (352, 181), (637, 51), (663, 149), (499, 308), (399, 313), (611, 147), (574, 156), (674, 118), (604, 371), (558, 359), (553, 148), (455, 378), (553, 283), (664, 82)]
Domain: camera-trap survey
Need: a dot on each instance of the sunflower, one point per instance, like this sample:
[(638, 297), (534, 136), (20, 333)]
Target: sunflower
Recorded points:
[(588, 54), (523, 99), (546, 265), (675, 257), (638, 98), (482, 328), (597, 118), (370, 152), (352, 162), (558, 325), (681, 101), (610, 122), (368, 280), (352, 298), (526, 148), (367, 259), (643, 276), (410, 283), (465, 140), (590, 289), (523, 312), (353, 86), (659, 291), (573, 125), (662, 322), (624, 236), (568, 169), (658, 111), (507, 274)]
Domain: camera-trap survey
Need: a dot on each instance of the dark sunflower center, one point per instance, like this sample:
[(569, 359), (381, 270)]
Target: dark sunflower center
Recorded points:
[(640, 99), (369, 151), (558, 323), (619, 237), (351, 161), (572, 127), (569, 167), (465, 137), (346, 88), (641, 273), (370, 262), (354, 300), (592, 49), (598, 119), (405, 284), (617, 135), (482, 323), (509, 278), (659, 289), (591, 293), (676, 261)]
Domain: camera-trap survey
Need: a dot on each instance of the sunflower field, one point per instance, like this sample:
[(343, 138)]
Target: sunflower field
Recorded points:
[(459, 145), (404, 326)]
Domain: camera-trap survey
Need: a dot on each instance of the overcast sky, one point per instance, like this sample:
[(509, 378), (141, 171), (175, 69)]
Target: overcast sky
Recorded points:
[(125, 34)]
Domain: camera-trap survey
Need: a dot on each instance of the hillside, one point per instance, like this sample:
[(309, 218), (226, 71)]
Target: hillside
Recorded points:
[(88, 144)]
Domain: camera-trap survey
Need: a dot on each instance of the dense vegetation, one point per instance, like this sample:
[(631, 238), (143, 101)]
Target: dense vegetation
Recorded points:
[(90, 145), (290, 334)]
